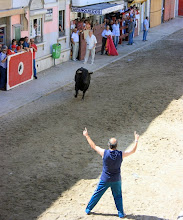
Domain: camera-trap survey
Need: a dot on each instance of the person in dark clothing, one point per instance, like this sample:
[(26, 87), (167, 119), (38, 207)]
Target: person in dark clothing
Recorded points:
[(111, 24), (3, 68), (111, 173), (130, 31)]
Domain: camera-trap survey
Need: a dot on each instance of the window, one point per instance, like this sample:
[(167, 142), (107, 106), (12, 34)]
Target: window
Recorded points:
[(61, 23), (36, 29), (17, 32), (2, 34)]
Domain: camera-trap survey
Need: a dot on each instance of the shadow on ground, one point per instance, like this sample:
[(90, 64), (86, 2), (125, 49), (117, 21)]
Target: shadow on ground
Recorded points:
[(136, 217)]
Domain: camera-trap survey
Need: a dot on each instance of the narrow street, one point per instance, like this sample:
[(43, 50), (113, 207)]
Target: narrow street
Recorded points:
[(49, 172)]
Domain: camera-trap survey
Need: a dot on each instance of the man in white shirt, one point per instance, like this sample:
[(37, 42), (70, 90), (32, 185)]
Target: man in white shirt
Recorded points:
[(75, 44), (91, 42), (106, 32), (34, 31), (145, 28), (116, 32)]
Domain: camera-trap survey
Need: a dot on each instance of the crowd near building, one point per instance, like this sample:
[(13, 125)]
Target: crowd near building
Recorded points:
[(50, 22)]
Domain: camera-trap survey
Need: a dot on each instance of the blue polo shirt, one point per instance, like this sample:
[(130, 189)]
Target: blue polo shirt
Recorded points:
[(112, 160), (25, 44), (2, 56)]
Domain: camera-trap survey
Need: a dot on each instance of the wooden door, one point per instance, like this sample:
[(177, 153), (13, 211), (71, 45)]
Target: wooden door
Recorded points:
[(155, 13)]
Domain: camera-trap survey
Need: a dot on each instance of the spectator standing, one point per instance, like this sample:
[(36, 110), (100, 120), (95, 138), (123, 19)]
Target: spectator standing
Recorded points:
[(20, 45), (116, 33), (73, 25), (1, 47), (145, 28), (75, 44), (14, 42), (96, 22), (3, 68), (34, 47), (87, 25), (91, 42), (106, 32), (34, 30), (130, 31), (26, 44), (13, 50), (111, 24), (106, 22), (61, 31), (111, 173), (134, 24)]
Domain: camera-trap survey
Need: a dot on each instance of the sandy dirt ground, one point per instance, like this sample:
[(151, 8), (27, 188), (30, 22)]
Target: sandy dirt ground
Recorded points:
[(49, 172)]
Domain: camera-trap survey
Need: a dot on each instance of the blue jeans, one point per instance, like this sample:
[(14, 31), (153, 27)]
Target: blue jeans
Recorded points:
[(130, 36), (3, 77), (116, 41), (34, 67), (100, 190), (144, 35)]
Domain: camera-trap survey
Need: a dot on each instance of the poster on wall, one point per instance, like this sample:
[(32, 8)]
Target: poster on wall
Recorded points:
[(49, 14)]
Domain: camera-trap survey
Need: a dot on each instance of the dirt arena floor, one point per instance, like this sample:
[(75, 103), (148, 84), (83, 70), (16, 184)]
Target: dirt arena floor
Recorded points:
[(49, 172)]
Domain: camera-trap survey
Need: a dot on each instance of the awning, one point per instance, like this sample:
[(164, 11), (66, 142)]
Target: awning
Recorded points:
[(10, 12), (98, 9)]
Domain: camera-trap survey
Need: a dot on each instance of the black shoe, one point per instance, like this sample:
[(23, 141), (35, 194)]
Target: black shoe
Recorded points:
[(35, 77), (2, 89)]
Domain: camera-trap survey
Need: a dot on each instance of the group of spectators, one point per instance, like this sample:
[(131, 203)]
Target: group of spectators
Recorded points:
[(112, 29), (23, 45)]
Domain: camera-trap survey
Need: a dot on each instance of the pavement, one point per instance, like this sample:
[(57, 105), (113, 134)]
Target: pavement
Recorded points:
[(62, 75)]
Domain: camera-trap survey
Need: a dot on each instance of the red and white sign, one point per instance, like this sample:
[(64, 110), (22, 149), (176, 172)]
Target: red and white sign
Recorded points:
[(19, 69)]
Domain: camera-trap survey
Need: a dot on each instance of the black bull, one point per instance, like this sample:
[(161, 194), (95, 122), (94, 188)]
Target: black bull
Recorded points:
[(82, 80)]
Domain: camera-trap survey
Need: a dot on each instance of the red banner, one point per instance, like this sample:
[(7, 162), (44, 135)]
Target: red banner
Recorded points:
[(20, 69), (110, 48)]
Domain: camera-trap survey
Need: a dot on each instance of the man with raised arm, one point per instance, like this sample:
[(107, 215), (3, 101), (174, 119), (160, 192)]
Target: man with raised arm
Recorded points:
[(111, 173)]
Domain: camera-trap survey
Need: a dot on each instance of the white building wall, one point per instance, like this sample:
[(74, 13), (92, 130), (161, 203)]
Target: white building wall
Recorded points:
[(20, 3)]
